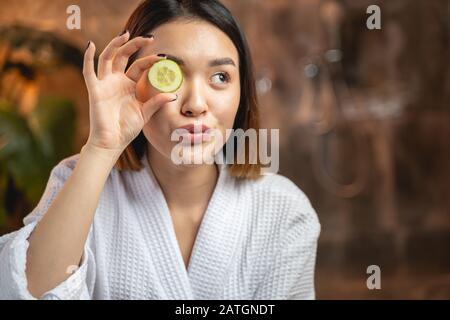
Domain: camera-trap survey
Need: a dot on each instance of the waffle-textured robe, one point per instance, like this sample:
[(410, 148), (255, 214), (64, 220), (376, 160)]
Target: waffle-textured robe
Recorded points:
[(257, 240)]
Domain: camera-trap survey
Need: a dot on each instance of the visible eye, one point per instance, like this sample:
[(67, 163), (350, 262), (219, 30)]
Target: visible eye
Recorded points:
[(221, 77)]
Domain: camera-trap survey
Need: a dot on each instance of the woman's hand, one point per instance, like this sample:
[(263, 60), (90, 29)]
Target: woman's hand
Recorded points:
[(116, 115)]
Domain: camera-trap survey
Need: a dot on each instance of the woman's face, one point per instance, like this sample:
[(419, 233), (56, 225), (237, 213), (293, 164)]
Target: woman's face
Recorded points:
[(209, 94)]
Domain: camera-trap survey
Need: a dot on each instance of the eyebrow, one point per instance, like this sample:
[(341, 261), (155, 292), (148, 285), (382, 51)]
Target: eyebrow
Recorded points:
[(212, 63)]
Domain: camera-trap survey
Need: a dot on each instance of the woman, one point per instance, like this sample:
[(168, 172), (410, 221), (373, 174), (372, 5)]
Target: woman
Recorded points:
[(121, 220)]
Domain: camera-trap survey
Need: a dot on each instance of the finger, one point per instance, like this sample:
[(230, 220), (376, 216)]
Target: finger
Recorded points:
[(88, 64), (139, 66), (122, 55), (105, 58), (150, 107)]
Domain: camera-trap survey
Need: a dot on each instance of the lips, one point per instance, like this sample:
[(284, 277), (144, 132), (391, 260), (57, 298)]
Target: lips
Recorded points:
[(195, 128), (194, 133)]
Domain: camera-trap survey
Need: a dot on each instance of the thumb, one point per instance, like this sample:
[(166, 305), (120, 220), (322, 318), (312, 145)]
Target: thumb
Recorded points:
[(155, 103)]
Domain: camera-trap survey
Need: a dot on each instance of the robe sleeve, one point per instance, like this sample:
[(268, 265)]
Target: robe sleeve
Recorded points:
[(291, 276), (14, 246)]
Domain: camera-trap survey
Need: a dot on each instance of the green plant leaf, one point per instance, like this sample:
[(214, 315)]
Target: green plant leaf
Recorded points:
[(34, 145)]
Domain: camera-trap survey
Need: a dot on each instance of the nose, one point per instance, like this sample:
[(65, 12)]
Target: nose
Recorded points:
[(194, 104)]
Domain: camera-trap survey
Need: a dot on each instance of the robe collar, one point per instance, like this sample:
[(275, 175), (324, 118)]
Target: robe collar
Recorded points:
[(216, 241)]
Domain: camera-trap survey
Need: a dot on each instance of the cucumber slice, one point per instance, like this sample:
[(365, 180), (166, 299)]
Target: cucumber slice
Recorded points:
[(165, 75)]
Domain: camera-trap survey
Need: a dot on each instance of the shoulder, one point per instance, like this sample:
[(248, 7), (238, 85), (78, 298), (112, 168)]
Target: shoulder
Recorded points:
[(278, 200), (278, 185), (278, 190)]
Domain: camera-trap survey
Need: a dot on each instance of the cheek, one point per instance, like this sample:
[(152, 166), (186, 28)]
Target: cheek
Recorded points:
[(158, 128), (158, 134), (225, 108)]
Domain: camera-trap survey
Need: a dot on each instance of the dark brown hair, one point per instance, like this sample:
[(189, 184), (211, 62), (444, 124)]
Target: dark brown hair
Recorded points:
[(152, 13)]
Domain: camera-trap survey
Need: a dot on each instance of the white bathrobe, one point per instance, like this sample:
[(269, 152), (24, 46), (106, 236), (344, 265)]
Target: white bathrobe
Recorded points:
[(257, 240)]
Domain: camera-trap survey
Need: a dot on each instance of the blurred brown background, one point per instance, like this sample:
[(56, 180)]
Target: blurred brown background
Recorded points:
[(364, 118)]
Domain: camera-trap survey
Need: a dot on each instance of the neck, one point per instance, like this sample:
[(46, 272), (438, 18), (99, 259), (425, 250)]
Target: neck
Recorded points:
[(183, 186)]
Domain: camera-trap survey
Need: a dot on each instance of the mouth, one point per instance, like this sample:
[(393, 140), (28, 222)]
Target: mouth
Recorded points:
[(194, 134), (194, 128)]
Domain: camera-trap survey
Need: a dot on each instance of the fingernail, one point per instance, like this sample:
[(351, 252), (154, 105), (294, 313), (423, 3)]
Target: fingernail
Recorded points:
[(162, 55), (123, 32), (150, 36), (88, 44), (175, 98)]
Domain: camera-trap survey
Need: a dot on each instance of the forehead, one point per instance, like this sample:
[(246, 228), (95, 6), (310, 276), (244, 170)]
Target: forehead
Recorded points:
[(194, 41)]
